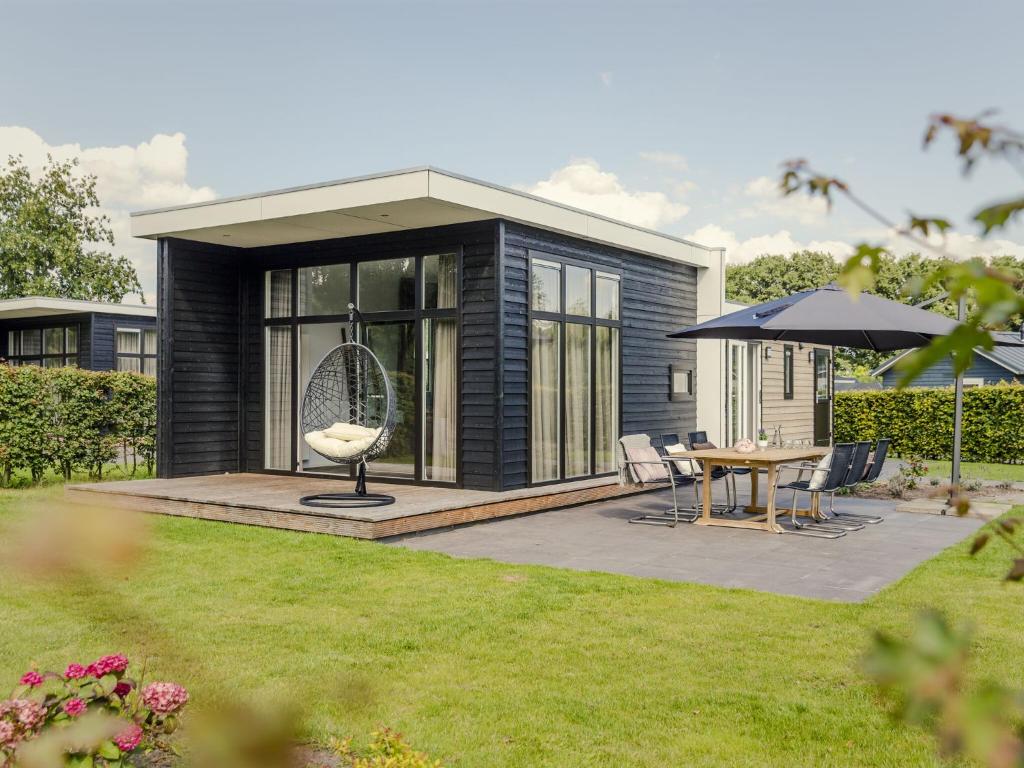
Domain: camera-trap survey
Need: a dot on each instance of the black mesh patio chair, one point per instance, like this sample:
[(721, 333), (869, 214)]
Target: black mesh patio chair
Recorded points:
[(827, 477), (641, 464), (671, 438), (877, 460), (699, 440), (868, 471)]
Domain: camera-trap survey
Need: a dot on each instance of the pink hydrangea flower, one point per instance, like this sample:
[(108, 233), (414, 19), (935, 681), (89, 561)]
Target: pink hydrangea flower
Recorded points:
[(129, 738), (29, 713), (123, 688), (7, 734), (106, 665), (164, 698), (32, 678), (75, 672), (74, 707)]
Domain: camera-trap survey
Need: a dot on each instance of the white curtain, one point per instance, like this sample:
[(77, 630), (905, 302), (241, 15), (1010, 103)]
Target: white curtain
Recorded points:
[(606, 397), (577, 400), (544, 374), (277, 433), (444, 416)]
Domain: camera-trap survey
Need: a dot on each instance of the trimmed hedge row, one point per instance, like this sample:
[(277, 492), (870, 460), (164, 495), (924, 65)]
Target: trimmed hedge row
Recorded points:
[(920, 421), (70, 419)]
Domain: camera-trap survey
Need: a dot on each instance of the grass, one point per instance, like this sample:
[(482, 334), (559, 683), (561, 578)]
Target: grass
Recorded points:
[(487, 664), (976, 470)]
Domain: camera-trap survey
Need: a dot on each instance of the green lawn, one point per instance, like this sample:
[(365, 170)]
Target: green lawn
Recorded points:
[(485, 664), (976, 470)]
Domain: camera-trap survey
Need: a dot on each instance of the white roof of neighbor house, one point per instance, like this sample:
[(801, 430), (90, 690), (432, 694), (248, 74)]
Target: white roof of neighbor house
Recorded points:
[(41, 306), (386, 202)]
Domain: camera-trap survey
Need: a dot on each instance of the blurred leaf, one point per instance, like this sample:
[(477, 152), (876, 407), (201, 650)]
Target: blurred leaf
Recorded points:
[(1016, 571), (859, 272), (925, 225), (979, 542), (999, 215)]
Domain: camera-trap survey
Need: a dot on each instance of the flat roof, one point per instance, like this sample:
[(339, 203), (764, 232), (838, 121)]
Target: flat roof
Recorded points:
[(41, 306), (397, 200)]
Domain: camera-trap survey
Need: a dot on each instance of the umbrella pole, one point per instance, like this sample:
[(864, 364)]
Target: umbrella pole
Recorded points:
[(958, 415)]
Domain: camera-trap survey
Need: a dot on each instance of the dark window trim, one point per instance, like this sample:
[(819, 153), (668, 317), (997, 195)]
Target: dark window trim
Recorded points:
[(143, 354), (64, 356), (563, 318), (787, 372)]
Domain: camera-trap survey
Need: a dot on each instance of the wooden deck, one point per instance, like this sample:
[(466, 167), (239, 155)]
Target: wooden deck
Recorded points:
[(273, 501)]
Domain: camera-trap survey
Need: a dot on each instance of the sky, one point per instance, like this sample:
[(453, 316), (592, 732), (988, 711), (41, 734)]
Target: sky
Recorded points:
[(674, 116)]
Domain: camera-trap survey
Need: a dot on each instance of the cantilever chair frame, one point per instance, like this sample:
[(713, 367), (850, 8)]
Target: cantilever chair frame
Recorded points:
[(719, 473), (669, 517), (837, 473)]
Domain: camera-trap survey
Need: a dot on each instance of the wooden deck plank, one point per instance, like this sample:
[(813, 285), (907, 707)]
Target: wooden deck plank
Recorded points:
[(273, 501)]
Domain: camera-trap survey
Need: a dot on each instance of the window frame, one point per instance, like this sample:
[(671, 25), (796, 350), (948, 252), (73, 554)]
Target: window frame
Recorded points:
[(416, 315), (563, 319), (788, 378), (143, 355), (65, 357)]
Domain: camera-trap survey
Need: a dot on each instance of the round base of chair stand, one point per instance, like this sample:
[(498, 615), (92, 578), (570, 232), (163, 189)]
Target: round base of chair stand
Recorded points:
[(354, 500)]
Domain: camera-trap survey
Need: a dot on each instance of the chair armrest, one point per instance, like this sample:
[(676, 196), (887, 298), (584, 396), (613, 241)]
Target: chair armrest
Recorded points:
[(800, 469)]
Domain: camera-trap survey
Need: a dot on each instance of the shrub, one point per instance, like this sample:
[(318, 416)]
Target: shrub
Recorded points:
[(387, 750), (919, 421), (70, 419), (94, 715)]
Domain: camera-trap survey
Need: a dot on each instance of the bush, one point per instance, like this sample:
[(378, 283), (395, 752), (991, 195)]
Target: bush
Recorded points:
[(919, 421), (94, 715), (70, 419)]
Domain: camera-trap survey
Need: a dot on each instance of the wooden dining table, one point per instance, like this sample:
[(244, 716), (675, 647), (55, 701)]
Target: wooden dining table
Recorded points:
[(768, 459)]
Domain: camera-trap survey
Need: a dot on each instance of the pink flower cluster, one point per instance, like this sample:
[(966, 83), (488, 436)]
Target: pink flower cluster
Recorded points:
[(74, 707), (107, 665), (31, 678), (129, 738), (75, 672), (164, 698), (18, 719)]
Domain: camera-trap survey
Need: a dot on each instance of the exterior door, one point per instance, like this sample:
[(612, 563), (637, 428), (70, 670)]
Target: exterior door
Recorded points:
[(822, 398), (738, 413)]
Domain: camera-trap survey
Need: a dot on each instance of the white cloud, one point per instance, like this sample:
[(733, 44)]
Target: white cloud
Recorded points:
[(584, 185), (741, 251), (960, 246), (765, 199), (670, 160), (606, 79), (149, 175)]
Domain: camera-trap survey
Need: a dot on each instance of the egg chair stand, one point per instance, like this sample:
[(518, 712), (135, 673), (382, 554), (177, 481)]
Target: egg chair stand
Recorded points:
[(349, 388)]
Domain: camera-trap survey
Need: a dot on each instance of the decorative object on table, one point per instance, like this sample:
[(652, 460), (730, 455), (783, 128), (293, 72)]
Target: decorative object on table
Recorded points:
[(348, 416), (745, 446), (762, 438)]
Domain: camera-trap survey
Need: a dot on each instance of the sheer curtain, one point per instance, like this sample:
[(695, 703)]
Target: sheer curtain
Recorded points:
[(606, 399), (544, 425), (277, 432), (441, 463), (577, 400)]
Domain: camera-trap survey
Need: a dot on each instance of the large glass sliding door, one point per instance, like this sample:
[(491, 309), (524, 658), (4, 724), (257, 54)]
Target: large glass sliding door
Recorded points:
[(410, 311), (574, 370)]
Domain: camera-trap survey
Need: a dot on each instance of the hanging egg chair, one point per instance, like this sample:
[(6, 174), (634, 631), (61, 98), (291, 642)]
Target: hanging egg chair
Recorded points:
[(348, 416)]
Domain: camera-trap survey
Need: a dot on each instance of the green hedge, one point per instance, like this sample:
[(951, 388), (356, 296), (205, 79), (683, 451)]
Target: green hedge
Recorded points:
[(920, 421), (69, 419)]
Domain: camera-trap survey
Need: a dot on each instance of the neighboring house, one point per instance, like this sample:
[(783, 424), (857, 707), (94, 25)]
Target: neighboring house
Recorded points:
[(523, 336), (989, 367), (773, 384), (851, 384), (94, 335)]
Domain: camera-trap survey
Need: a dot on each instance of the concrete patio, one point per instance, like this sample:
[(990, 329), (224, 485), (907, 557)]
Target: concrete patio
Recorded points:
[(598, 537)]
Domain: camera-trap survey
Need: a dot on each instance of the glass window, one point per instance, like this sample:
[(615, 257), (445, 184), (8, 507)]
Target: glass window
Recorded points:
[(545, 427), (387, 286), (13, 343), (149, 366), (577, 291), (545, 286), (72, 360), (325, 290), (131, 363), (277, 428), (439, 281), (607, 297), (577, 400), (394, 344), (315, 341), (53, 341), (787, 372), (129, 341), (149, 342), (440, 400), (52, 362), (278, 300), (606, 398), (31, 342), (72, 339)]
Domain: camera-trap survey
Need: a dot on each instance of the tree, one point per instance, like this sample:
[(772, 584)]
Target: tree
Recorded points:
[(50, 242)]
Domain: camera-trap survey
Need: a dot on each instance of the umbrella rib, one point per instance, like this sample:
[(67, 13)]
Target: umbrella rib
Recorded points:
[(868, 340)]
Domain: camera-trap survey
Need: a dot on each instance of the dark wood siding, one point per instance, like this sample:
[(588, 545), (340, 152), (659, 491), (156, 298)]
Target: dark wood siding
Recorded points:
[(658, 296), (103, 341), (199, 366), (941, 374)]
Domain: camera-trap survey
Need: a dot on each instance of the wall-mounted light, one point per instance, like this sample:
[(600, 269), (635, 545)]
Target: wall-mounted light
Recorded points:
[(767, 352), (800, 345), (810, 356), (681, 382)]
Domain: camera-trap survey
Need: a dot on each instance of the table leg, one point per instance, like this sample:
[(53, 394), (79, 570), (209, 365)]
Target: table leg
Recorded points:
[(708, 467), (772, 480), (753, 489)]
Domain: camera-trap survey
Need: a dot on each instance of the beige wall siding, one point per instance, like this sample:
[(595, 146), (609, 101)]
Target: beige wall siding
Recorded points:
[(796, 416)]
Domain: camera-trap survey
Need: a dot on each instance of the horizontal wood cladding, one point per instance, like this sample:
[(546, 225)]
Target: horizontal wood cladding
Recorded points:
[(104, 342), (941, 374), (657, 297), (200, 359), (794, 415)]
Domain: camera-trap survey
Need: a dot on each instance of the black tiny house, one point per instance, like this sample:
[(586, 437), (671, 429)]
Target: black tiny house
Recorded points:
[(92, 335), (522, 337)]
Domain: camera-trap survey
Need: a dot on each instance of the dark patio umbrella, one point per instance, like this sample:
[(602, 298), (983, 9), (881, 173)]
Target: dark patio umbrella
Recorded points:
[(830, 316)]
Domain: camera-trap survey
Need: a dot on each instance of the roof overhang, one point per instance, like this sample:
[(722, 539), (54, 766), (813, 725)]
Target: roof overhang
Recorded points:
[(388, 202), (43, 306)]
